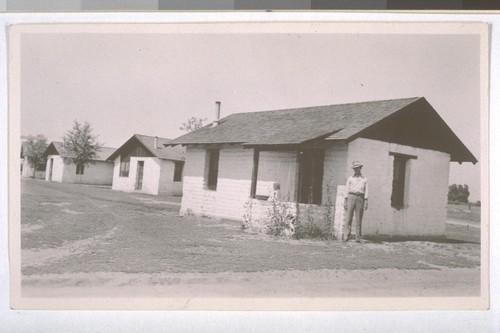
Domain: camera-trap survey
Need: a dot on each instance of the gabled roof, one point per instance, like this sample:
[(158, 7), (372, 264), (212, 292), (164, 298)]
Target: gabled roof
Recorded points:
[(344, 122), (148, 142), (56, 148)]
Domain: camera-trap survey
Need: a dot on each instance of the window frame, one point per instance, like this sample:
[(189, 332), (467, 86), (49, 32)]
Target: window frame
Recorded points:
[(399, 189), (80, 168), (178, 170), (255, 172), (212, 169), (124, 166), (311, 164)]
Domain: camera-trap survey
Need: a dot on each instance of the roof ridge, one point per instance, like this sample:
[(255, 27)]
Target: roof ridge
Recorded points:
[(61, 142), (325, 105), (151, 136)]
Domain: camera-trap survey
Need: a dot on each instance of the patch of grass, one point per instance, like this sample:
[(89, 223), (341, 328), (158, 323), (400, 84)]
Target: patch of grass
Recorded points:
[(463, 233), (311, 231), (463, 213)]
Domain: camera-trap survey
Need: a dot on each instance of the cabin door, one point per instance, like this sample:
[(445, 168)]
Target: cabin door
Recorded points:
[(140, 175), (51, 165)]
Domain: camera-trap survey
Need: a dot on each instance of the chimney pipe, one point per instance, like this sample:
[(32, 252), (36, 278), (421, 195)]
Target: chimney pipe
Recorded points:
[(217, 114), (156, 142)]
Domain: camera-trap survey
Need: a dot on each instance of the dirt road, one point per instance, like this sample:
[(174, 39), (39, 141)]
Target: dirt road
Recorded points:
[(88, 241)]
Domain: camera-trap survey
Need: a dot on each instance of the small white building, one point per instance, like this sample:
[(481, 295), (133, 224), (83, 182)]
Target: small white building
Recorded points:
[(98, 172), (304, 157), (143, 164), (26, 169)]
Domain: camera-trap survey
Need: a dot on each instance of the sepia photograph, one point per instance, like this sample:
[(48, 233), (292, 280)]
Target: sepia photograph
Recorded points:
[(249, 166)]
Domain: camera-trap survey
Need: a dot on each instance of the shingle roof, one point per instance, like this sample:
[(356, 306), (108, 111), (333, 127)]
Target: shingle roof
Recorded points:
[(148, 142), (295, 126), (56, 148), (330, 122)]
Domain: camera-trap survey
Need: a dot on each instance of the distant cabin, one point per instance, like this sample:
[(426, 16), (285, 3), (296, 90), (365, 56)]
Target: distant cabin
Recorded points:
[(143, 164), (26, 169), (97, 172), (304, 157)]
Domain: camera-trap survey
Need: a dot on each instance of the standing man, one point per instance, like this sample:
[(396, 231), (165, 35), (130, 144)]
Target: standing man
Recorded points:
[(356, 200)]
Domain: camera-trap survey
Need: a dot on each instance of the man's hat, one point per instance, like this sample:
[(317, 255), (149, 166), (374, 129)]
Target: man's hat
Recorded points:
[(356, 164)]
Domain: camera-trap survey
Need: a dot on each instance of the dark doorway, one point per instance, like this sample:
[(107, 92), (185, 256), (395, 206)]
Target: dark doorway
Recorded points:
[(51, 165), (140, 175)]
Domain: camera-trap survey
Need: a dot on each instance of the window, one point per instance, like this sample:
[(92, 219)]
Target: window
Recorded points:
[(179, 166), (213, 169), (79, 168), (124, 166), (139, 152), (255, 171), (310, 187), (399, 176)]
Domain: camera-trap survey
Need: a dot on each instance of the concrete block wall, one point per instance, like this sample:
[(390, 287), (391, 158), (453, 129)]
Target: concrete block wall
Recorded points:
[(97, 173), (167, 184), (424, 213), (233, 185), (317, 215), (340, 213), (151, 175), (234, 181)]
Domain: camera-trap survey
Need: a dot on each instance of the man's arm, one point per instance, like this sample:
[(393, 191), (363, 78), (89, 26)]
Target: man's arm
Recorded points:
[(366, 196), (366, 189), (347, 183)]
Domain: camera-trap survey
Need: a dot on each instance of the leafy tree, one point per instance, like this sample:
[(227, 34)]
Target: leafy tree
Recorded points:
[(192, 124), (80, 145), (34, 148), (458, 193)]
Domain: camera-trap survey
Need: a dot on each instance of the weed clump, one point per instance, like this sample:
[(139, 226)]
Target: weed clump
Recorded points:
[(291, 220), (279, 219)]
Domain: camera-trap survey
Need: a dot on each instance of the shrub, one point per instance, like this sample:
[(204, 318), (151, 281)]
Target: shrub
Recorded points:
[(328, 210), (247, 216), (315, 221), (289, 220), (281, 220)]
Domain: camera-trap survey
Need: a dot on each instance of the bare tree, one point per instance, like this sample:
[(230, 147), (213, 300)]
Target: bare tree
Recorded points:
[(81, 146), (34, 149), (192, 124)]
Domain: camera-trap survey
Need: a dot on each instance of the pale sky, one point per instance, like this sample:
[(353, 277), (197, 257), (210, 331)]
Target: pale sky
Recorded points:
[(150, 83)]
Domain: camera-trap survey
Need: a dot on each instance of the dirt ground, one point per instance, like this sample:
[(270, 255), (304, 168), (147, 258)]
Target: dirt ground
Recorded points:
[(85, 241)]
